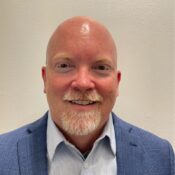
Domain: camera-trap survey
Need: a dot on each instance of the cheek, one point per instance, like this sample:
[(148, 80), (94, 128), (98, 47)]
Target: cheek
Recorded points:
[(110, 96), (109, 91), (109, 88), (55, 85), (54, 91)]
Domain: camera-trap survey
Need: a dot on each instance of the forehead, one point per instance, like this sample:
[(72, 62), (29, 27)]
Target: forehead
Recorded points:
[(81, 38)]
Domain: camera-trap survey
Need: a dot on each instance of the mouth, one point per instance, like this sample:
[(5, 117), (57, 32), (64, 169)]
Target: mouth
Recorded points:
[(83, 102)]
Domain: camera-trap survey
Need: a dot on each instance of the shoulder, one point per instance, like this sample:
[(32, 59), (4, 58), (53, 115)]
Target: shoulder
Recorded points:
[(155, 151), (19, 133), (140, 134), (9, 141), (154, 148), (9, 149), (13, 136), (147, 140)]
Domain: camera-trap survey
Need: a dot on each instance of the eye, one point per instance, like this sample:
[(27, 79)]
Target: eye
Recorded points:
[(102, 69), (64, 67)]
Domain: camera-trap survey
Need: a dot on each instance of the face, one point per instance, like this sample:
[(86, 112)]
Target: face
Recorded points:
[(81, 80)]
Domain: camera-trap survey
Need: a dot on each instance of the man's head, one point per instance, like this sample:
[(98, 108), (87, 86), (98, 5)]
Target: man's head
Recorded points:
[(81, 78)]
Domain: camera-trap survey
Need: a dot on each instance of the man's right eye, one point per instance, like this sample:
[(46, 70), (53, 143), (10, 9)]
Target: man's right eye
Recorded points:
[(64, 67)]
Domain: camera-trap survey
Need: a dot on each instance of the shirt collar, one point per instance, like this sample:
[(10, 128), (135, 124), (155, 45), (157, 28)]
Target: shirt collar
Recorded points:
[(55, 137), (110, 134)]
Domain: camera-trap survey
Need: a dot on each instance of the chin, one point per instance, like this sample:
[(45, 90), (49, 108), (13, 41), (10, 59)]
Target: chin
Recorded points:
[(80, 123)]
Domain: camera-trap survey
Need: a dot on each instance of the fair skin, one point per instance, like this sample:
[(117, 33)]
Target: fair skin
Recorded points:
[(81, 59)]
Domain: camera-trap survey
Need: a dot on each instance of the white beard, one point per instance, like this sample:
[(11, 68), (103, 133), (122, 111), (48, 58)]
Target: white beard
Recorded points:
[(80, 123)]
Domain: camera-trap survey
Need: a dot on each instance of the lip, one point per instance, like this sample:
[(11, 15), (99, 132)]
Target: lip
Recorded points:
[(82, 102), (79, 107)]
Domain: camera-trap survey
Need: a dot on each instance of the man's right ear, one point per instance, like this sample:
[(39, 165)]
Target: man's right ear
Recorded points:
[(43, 71)]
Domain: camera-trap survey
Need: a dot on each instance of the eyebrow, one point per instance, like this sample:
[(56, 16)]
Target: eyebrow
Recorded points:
[(103, 59), (61, 55)]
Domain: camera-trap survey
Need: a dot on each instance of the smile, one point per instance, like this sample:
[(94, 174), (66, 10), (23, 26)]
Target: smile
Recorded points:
[(82, 102)]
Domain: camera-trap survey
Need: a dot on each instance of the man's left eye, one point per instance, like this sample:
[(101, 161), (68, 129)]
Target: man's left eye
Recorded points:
[(102, 67)]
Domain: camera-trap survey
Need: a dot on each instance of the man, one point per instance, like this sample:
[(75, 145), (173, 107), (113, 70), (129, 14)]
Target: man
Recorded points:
[(80, 134)]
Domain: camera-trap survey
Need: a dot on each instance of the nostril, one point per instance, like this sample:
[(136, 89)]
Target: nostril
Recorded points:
[(83, 84)]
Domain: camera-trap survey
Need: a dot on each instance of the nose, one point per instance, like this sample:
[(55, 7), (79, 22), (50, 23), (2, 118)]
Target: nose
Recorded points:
[(83, 80)]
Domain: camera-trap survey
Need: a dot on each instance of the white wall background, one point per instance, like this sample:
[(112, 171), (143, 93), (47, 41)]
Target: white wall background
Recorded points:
[(144, 32)]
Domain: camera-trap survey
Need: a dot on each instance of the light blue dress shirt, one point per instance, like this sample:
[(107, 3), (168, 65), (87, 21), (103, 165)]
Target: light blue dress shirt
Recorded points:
[(65, 159)]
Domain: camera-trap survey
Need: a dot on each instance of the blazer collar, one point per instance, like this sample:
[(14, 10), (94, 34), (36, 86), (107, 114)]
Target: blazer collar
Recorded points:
[(130, 153), (32, 149)]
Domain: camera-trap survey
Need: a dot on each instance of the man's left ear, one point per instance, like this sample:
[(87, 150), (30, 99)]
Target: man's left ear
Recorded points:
[(43, 71), (118, 76), (118, 81)]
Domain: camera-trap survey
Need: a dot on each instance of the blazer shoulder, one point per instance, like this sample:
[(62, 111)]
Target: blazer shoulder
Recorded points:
[(9, 144), (9, 150), (157, 152), (9, 140), (146, 138), (15, 135)]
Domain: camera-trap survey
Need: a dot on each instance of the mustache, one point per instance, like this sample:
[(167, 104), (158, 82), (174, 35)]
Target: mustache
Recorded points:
[(92, 95)]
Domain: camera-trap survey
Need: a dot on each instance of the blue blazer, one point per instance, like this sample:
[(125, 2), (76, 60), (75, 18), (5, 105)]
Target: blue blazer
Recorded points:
[(23, 151)]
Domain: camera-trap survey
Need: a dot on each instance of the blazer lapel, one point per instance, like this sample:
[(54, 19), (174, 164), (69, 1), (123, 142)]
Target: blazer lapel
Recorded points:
[(32, 150), (130, 155)]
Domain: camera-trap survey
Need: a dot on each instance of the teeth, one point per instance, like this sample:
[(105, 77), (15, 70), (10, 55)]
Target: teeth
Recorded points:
[(81, 102)]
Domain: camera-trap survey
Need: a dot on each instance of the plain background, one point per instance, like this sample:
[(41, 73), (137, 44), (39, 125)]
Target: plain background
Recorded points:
[(144, 32)]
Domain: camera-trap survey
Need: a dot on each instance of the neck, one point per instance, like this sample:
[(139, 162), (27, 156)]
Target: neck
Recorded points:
[(83, 143)]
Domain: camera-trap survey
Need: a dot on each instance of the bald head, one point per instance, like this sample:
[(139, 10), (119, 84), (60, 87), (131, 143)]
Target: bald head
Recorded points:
[(79, 30)]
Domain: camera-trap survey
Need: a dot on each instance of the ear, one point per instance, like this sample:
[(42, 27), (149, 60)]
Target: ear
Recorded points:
[(43, 71), (118, 81), (118, 76)]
